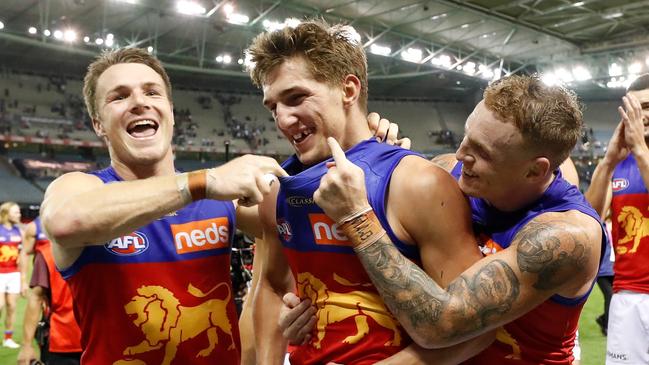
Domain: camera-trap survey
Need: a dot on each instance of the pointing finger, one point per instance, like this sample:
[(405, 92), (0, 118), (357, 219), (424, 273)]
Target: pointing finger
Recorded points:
[(337, 152)]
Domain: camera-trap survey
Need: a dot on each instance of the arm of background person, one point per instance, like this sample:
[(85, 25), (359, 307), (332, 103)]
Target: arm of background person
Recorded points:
[(634, 133), (246, 326), (555, 253), (35, 301), (274, 281)]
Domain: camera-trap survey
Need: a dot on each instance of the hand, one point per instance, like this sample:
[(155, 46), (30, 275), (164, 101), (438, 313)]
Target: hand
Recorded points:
[(26, 354), (242, 179), (633, 125), (23, 289), (342, 188), (617, 149), (296, 319), (385, 131)]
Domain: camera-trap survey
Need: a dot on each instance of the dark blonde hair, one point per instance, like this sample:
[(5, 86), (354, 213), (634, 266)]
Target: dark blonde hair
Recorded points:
[(113, 57), (548, 117), (4, 211), (331, 53)]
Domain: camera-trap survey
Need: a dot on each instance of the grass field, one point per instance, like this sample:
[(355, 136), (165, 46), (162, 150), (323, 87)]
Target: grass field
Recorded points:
[(593, 344)]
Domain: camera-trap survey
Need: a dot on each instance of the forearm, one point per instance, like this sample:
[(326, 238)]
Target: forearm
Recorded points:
[(32, 316), (270, 344), (111, 210), (414, 355), (599, 185)]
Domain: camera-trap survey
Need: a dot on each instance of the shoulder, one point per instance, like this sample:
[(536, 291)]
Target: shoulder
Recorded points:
[(446, 161), (74, 180), (417, 175)]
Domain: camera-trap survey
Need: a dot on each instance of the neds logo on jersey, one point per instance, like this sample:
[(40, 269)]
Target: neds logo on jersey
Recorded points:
[(129, 245), (208, 234), (326, 231), (620, 184)]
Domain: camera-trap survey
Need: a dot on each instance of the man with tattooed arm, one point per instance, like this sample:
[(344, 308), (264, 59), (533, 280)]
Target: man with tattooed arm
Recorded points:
[(541, 238)]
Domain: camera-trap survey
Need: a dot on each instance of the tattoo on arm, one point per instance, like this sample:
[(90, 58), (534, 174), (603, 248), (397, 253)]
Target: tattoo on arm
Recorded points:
[(467, 307), (540, 251)]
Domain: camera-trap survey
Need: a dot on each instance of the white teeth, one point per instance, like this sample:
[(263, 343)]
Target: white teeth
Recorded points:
[(302, 134)]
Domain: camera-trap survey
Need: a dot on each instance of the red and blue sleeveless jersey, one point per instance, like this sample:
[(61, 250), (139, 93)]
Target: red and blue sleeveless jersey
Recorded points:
[(161, 294), (630, 220), (10, 241), (353, 324), (545, 334)]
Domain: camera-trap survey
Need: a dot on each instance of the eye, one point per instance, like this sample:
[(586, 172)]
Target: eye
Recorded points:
[(152, 93), (296, 99)]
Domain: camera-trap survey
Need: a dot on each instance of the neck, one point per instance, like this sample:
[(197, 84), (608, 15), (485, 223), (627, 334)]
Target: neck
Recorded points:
[(522, 197), (356, 130), (129, 172)]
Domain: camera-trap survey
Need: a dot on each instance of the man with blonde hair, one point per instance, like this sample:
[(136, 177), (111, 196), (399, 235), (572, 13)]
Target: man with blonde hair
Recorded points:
[(11, 281), (314, 80), (144, 249), (542, 239)]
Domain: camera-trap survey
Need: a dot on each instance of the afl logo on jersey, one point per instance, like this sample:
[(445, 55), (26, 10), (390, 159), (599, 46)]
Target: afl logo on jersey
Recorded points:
[(620, 184), (284, 230), (129, 245)]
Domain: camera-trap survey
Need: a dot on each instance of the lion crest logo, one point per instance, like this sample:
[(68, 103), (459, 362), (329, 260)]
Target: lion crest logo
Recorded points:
[(357, 304), (504, 337), (166, 323), (635, 227), (8, 253)]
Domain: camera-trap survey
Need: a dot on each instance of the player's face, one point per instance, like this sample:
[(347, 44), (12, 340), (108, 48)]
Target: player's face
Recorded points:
[(493, 157), (643, 98), (135, 114), (305, 110), (14, 214)]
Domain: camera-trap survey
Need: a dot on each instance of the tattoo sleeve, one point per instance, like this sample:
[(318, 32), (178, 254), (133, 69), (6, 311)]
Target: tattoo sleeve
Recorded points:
[(427, 311)]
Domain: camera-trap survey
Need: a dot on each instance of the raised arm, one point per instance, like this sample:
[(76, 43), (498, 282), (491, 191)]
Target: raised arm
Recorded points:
[(80, 210), (275, 280)]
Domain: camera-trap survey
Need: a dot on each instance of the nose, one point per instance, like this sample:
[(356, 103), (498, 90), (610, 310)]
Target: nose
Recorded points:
[(462, 154), (139, 102), (284, 116)]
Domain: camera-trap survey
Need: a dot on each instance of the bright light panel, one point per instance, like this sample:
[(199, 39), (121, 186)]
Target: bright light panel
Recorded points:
[(70, 35), (189, 8), (380, 50), (615, 70), (32, 30), (412, 55), (236, 18)]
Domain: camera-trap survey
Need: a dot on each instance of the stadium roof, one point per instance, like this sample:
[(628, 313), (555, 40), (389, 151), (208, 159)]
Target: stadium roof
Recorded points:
[(432, 49)]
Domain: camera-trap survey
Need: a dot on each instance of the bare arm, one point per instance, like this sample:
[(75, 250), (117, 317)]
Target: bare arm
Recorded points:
[(446, 161), (555, 253), (248, 221), (35, 301), (413, 354), (275, 280)]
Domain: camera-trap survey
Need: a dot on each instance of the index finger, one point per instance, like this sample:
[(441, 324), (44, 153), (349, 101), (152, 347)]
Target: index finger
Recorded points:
[(337, 152)]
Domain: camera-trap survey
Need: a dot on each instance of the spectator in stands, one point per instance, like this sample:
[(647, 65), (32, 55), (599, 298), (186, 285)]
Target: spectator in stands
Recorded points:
[(11, 281), (59, 337), (620, 183), (126, 234)]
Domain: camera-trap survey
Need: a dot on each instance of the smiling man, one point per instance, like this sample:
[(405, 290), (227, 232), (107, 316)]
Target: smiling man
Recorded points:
[(144, 249), (314, 79), (543, 241)]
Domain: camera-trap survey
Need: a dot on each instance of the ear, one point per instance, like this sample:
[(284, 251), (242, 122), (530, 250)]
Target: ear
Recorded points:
[(351, 90), (98, 127), (539, 168)]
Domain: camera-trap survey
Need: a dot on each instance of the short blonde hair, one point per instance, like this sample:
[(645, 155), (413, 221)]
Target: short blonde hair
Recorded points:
[(331, 53), (4, 211), (114, 57), (548, 117)]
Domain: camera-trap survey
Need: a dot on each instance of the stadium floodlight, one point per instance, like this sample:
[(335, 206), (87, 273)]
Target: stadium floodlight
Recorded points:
[(412, 55), (219, 59), (442, 60), (2, 25), (380, 50), (58, 34), (109, 36), (86, 39), (149, 49), (635, 68), (32, 30), (614, 70), (228, 9), (579, 3), (240, 61), (550, 79), (271, 26), (564, 75), (292, 22), (47, 32), (469, 68), (189, 8), (236, 18), (581, 73), (227, 58), (109, 42), (69, 35), (99, 41)]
